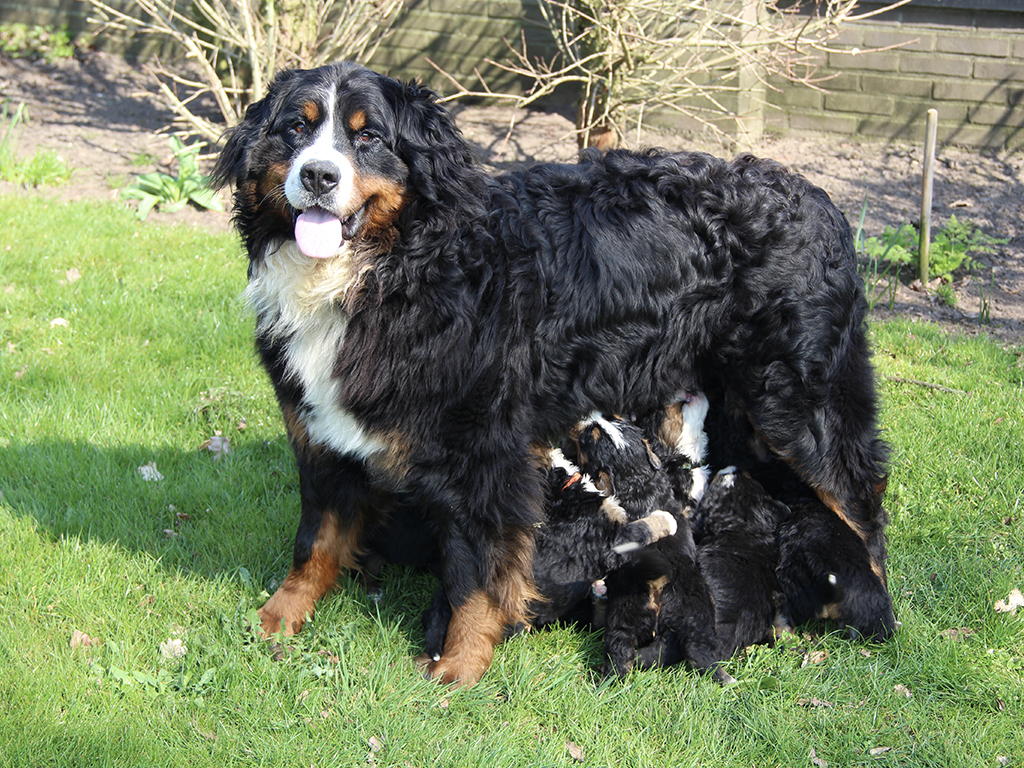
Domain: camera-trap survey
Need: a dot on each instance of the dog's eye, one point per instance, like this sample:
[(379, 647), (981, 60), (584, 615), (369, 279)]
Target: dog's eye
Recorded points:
[(300, 126), (365, 136)]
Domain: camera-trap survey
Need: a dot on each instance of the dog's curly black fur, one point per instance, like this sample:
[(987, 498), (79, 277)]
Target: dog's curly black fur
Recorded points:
[(467, 318), (586, 535), (735, 525), (824, 568)]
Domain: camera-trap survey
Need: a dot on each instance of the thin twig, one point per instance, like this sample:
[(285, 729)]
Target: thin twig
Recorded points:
[(928, 384)]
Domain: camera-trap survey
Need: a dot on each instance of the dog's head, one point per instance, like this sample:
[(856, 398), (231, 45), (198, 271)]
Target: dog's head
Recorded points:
[(615, 453), (334, 155), (736, 502)]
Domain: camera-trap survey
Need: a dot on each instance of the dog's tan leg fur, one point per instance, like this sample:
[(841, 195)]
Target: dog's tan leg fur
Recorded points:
[(333, 551), (475, 629)]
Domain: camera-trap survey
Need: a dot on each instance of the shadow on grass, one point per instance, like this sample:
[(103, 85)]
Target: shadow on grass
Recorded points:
[(230, 519)]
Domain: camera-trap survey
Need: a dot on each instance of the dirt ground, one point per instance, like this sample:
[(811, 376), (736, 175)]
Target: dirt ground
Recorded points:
[(98, 114)]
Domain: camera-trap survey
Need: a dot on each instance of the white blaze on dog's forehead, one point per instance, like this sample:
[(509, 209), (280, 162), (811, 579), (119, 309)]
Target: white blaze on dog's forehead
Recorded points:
[(608, 427), (728, 480), (324, 148)]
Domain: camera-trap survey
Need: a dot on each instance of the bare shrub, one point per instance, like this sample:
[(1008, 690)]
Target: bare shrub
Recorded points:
[(694, 59)]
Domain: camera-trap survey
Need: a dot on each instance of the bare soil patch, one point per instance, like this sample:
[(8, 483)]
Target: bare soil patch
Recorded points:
[(98, 113)]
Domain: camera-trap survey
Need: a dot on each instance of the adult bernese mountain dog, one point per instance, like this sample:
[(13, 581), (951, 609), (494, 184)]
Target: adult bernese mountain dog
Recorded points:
[(429, 328)]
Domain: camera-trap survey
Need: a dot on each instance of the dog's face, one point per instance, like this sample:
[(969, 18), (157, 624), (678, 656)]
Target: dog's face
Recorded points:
[(329, 156), (614, 451)]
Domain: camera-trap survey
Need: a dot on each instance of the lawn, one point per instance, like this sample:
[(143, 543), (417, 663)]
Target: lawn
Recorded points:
[(125, 601)]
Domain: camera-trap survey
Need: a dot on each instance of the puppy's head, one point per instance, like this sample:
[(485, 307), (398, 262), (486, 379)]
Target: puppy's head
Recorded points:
[(614, 452), (736, 502), (333, 155)]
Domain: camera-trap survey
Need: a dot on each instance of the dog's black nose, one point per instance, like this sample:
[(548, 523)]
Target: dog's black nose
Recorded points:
[(319, 176)]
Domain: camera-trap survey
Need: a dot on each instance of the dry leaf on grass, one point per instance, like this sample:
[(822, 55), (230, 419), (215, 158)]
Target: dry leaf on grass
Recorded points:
[(1011, 603), (73, 276), (375, 746), (876, 751), (815, 760), (956, 633), (81, 640), (814, 657), (813, 702), (903, 690), (218, 445), (59, 322), (575, 752), (173, 648), (150, 473)]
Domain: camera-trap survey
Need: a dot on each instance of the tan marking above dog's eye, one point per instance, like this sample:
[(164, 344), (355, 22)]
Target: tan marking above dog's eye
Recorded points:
[(357, 121), (311, 112), (595, 434)]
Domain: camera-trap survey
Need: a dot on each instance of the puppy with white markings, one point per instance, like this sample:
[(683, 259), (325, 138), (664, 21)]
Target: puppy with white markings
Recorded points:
[(659, 608), (585, 535)]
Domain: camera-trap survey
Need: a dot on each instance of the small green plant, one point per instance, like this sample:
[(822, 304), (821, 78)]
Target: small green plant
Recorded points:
[(141, 159), (171, 193), (955, 247), (44, 167), (33, 41), (880, 261)]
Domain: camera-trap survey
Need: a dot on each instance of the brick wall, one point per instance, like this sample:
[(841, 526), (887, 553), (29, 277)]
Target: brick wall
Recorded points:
[(965, 58), (458, 35)]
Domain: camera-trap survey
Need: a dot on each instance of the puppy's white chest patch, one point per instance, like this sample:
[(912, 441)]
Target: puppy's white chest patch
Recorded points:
[(297, 300)]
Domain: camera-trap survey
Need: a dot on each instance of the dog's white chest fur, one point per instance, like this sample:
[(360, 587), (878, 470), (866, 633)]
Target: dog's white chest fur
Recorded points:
[(297, 300)]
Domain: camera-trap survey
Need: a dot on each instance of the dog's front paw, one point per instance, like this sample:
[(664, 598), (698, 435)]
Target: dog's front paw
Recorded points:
[(282, 614), (455, 671)]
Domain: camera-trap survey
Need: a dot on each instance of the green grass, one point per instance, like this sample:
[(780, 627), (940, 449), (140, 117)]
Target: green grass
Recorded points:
[(156, 355)]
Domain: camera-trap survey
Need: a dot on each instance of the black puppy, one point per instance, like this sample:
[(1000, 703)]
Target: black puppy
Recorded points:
[(825, 568), (585, 535), (660, 610), (734, 525), (825, 571)]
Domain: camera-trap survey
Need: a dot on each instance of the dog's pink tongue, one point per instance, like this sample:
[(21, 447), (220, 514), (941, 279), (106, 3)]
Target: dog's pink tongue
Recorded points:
[(318, 233)]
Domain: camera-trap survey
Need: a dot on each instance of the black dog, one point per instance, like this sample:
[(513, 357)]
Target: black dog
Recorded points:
[(426, 327), (659, 610), (825, 571), (735, 527)]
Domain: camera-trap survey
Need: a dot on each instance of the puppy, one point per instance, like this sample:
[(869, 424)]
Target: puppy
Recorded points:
[(659, 608), (825, 568), (734, 525), (825, 571)]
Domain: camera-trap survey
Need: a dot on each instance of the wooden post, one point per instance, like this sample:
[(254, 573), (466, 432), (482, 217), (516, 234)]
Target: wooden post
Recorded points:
[(752, 92), (924, 244)]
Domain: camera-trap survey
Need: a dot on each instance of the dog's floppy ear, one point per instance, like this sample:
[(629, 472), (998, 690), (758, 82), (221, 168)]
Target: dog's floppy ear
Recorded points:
[(431, 145), (652, 456), (231, 166)]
